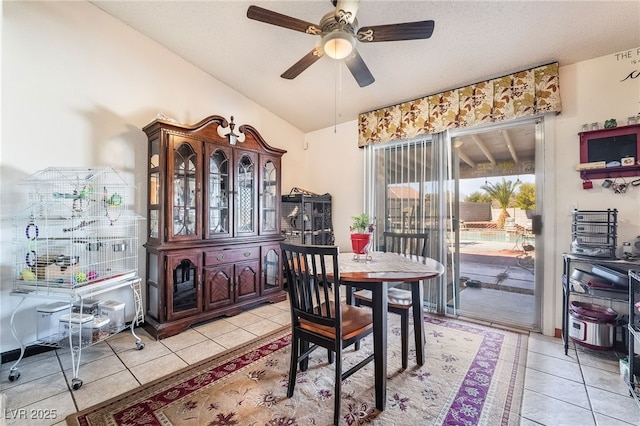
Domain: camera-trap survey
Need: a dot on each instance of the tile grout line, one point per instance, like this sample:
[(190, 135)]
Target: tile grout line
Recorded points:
[(584, 382)]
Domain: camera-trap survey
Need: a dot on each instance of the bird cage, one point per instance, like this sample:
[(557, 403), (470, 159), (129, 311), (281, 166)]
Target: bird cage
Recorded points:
[(306, 218), (76, 229)]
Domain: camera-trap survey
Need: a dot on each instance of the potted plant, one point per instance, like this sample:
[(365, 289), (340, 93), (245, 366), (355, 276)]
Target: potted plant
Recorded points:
[(361, 230)]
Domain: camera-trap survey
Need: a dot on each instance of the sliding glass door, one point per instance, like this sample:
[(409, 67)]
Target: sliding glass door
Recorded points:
[(408, 184), (497, 243), (452, 185)]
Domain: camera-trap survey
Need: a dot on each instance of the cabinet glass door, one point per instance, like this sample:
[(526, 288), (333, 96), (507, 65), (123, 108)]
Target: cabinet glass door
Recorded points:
[(269, 197), (183, 284), (270, 269), (155, 189), (184, 210), (218, 194), (245, 196)]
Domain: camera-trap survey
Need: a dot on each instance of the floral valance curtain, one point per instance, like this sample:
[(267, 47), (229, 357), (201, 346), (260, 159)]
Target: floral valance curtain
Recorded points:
[(533, 91)]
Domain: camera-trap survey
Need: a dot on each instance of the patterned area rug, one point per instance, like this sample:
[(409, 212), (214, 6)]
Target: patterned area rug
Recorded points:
[(473, 375)]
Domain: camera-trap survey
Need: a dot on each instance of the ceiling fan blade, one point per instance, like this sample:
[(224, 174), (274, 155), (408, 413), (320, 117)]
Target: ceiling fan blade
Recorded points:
[(346, 11), (274, 18), (395, 32), (359, 69), (304, 63)]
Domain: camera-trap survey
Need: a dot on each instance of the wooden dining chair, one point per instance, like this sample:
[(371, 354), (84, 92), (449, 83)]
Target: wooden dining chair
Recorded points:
[(318, 317), (399, 300)]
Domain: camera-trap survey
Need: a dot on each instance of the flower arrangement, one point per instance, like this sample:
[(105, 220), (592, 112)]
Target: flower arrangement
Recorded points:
[(361, 224)]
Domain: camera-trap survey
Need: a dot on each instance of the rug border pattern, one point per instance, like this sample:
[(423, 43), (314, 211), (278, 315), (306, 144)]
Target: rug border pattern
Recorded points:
[(165, 391)]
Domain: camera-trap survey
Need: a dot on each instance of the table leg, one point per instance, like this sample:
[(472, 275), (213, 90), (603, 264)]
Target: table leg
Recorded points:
[(379, 299), (350, 299), (418, 320)]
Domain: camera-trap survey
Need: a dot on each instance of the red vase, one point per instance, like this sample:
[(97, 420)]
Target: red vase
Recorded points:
[(360, 243)]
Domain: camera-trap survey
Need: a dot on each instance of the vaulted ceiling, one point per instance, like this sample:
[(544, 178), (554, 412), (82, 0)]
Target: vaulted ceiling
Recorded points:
[(472, 41)]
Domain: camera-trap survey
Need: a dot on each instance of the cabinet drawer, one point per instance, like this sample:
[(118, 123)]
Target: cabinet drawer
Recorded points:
[(229, 256)]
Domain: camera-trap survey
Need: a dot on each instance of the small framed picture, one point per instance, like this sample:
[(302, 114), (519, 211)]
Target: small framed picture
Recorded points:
[(628, 161)]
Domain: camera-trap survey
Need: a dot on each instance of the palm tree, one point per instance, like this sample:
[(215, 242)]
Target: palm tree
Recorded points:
[(502, 193)]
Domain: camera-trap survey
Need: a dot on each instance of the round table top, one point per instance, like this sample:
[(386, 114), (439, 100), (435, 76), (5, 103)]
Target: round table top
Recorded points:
[(383, 266)]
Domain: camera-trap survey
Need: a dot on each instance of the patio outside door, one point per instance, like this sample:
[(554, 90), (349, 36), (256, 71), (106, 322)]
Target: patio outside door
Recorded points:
[(494, 246)]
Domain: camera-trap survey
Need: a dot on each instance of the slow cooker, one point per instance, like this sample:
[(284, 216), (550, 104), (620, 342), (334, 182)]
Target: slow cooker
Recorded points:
[(593, 326)]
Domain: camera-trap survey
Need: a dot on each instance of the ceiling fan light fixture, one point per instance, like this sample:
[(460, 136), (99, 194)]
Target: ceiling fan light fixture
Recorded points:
[(338, 44)]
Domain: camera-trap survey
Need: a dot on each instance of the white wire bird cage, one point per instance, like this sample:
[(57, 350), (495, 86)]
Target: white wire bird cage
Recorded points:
[(75, 231)]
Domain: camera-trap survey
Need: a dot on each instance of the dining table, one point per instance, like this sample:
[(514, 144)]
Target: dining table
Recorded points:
[(375, 272)]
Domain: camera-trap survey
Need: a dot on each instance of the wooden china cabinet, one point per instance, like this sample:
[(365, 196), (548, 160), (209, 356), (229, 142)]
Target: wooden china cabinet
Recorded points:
[(213, 223)]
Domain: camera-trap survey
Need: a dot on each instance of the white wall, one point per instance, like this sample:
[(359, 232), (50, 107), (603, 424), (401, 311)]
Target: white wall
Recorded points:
[(77, 88), (334, 164), (592, 91)]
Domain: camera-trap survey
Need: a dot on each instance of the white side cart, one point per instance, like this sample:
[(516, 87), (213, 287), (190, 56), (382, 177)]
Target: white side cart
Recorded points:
[(75, 339), (75, 240)]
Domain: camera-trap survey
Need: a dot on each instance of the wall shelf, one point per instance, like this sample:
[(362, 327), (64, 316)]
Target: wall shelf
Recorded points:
[(611, 172), (607, 145)]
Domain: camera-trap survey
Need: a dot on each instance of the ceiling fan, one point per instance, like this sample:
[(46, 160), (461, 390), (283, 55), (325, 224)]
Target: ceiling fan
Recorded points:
[(339, 31)]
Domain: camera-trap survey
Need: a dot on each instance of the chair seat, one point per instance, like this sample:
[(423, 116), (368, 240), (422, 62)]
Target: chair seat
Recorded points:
[(355, 320), (397, 297)]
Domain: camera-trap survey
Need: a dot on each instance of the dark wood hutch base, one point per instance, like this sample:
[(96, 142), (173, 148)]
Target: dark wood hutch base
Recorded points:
[(161, 330), (213, 223)]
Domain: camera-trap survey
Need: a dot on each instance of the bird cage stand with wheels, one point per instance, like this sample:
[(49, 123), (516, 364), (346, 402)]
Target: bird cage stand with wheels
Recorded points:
[(74, 243)]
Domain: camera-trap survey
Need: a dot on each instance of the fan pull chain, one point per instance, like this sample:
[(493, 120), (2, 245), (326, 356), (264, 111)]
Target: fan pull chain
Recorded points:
[(335, 96), (337, 107)]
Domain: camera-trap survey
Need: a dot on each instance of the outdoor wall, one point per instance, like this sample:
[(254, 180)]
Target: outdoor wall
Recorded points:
[(484, 213), (475, 212), (77, 88)]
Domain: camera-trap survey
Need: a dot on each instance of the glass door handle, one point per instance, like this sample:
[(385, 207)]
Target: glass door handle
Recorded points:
[(536, 224)]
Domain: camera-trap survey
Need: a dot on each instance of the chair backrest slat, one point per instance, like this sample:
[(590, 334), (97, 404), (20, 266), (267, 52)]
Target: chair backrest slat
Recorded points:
[(311, 272), (407, 243)]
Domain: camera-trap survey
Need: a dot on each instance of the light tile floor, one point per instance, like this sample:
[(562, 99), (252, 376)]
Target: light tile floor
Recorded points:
[(582, 388)]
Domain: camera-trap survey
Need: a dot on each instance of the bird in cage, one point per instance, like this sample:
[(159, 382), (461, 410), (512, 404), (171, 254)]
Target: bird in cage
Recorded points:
[(293, 217)]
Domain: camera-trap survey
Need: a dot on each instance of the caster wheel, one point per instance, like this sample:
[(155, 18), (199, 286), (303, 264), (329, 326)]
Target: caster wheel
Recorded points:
[(14, 375), (140, 346), (76, 384)]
